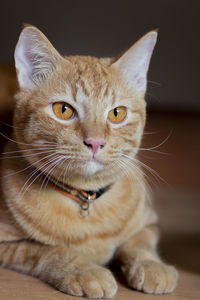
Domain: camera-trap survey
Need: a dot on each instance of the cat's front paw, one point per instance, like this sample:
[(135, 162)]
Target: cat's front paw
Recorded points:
[(91, 282), (152, 277)]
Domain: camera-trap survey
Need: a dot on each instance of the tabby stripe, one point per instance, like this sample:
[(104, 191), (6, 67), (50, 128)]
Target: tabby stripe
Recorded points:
[(13, 249), (3, 249), (84, 89)]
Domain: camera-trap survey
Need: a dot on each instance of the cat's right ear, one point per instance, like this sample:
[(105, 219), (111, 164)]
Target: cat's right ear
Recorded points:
[(134, 63), (35, 58)]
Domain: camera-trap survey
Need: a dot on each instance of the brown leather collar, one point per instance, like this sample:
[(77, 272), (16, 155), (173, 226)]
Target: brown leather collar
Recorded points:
[(83, 197)]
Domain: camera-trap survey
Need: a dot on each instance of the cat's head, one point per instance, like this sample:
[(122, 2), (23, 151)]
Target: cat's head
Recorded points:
[(80, 118)]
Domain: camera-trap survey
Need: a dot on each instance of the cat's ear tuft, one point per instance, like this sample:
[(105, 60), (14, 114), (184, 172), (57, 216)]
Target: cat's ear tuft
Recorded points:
[(135, 61), (35, 58)]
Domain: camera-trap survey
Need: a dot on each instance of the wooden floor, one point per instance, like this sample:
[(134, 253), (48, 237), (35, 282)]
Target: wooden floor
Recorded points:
[(178, 204)]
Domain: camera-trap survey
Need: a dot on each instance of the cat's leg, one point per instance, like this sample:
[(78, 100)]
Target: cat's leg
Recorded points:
[(59, 266), (142, 266)]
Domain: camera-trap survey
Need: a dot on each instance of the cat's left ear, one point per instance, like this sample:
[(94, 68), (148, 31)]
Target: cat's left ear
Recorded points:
[(35, 58), (135, 61)]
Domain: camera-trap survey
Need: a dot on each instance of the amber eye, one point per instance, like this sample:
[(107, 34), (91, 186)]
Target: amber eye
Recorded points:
[(63, 110), (118, 114)]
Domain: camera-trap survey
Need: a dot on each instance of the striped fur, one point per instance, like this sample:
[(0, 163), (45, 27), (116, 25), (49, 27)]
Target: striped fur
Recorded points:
[(41, 230)]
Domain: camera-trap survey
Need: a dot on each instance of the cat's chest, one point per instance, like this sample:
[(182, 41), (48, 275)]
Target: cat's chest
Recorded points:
[(97, 236), (52, 218)]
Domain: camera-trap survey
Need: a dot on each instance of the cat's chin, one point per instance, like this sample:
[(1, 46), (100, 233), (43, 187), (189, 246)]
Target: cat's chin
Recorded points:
[(91, 167)]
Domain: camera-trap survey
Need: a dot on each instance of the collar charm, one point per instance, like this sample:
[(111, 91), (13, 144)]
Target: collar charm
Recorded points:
[(84, 198)]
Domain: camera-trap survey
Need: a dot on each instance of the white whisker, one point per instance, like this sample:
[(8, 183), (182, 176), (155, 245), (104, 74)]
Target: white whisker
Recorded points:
[(149, 169), (17, 142), (28, 167), (40, 174), (154, 82), (139, 175), (157, 146), (28, 155), (28, 150), (47, 176)]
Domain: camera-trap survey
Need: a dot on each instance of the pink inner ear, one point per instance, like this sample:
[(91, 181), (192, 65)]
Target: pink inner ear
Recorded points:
[(135, 62), (23, 63), (35, 58)]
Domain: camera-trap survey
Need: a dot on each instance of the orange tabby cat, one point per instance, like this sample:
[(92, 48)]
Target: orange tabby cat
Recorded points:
[(73, 194)]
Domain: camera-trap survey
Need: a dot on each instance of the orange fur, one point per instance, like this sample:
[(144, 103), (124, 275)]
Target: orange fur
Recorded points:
[(59, 246)]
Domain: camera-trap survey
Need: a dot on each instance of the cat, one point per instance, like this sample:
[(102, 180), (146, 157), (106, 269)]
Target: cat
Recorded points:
[(73, 194)]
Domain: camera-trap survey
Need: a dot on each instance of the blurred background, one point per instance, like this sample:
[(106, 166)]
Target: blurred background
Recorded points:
[(105, 28)]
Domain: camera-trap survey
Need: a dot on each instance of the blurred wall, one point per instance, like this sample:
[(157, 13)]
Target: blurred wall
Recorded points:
[(106, 27)]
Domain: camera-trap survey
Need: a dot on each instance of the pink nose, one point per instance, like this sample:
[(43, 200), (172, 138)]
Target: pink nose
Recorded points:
[(94, 144)]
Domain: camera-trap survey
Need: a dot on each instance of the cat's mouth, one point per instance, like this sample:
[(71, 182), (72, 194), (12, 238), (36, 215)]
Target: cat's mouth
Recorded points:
[(92, 166), (94, 159)]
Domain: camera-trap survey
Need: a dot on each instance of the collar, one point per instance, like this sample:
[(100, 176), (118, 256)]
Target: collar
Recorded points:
[(83, 197)]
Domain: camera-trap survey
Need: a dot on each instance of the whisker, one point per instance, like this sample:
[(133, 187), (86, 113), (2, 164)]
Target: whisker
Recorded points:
[(134, 162), (47, 176), (36, 170), (159, 145), (66, 172), (40, 174), (61, 174), (17, 142), (152, 96), (149, 169), (151, 132), (8, 125), (151, 150), (29, 166), (27, 150), (124, 170), (28, 155), (141, 179), (43, 147), (154, 82)]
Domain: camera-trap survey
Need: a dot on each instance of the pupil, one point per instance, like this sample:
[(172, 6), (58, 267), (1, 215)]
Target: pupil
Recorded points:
[(64, 108), (116, 112)]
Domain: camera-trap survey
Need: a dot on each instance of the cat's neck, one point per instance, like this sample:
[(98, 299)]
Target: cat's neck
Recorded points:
[(87, 182), (90, 182)]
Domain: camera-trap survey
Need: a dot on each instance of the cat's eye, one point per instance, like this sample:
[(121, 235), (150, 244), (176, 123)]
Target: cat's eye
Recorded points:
[(118, 114), (63, 110)]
